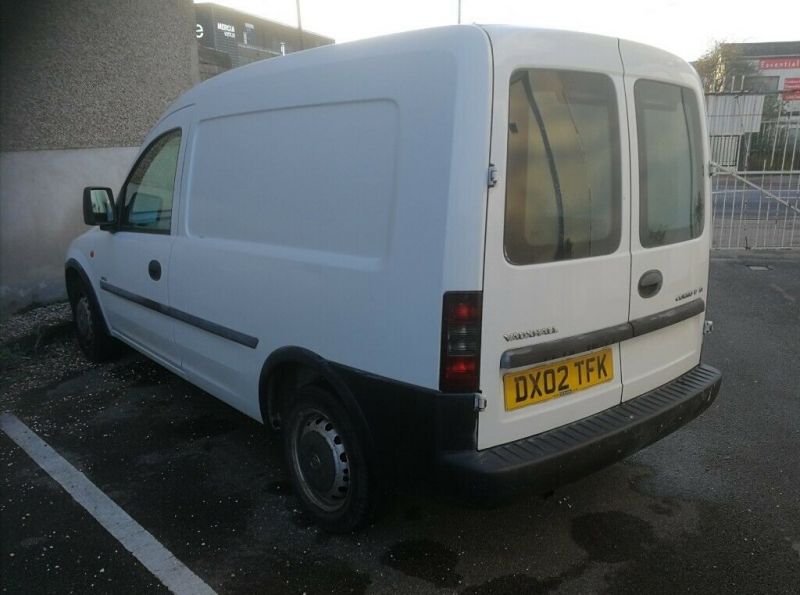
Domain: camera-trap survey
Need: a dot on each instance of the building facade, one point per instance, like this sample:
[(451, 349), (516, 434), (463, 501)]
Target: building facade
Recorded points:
[(228, 38), (754, 118), (81, 83), (79, 89), (776, 67)]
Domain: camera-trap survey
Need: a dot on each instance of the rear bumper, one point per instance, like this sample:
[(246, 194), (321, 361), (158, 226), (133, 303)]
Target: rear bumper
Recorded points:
[(553, 458)]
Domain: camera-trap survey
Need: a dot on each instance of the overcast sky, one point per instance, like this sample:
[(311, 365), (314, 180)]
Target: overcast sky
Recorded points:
[(684, 27)]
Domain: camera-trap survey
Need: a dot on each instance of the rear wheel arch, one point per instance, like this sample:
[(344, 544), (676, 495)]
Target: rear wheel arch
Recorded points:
[(292, 367)]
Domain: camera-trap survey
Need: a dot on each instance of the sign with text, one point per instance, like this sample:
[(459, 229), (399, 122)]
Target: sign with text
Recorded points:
[(791, 89), (227, 30), (786, 62)]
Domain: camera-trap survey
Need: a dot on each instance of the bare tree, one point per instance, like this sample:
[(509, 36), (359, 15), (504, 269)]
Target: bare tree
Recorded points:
[(723, 66)]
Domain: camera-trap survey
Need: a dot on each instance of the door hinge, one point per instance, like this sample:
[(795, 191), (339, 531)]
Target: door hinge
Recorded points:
[(491, 178), (480, 403)]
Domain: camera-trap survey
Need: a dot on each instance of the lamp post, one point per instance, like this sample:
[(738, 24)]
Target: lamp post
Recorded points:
[(459, 11), (300, 25)]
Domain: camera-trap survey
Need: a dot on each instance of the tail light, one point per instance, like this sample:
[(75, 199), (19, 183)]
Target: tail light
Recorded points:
[(461, 341)]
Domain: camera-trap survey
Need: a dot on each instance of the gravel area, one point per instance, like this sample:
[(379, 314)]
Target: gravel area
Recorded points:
[(37, 349), (33, 321), (22, 372)]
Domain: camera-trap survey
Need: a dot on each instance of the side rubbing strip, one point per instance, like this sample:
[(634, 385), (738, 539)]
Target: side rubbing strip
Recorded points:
[(136, 299), (206, 325), (549, 350)]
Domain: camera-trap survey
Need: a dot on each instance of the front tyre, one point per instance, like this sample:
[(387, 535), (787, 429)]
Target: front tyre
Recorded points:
[(90, 329), (326, 458)]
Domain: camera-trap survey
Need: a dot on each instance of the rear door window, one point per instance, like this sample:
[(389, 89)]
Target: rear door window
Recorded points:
[(563, 198), (670, 164)]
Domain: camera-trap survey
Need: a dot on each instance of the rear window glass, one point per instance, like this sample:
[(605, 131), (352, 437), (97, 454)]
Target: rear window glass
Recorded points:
[(670, 164), (563, 175)]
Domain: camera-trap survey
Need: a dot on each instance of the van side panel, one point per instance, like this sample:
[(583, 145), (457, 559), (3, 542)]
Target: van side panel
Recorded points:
[(314, 183), (468, 185), (317, 209)]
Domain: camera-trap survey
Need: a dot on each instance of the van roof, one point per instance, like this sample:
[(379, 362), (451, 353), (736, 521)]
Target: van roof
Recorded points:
[(457, 39)]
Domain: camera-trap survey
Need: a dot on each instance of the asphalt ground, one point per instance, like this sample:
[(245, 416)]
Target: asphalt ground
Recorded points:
[(713, 508)]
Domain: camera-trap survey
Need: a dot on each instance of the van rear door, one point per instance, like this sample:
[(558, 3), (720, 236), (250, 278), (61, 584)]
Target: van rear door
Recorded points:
[(557, 256), (670, 219)]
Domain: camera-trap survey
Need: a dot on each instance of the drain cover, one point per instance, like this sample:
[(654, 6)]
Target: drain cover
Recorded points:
[(758, 267)]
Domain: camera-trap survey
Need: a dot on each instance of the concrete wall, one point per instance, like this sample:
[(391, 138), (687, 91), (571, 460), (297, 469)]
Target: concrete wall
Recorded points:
[(41, 212), (81, 83), (91, 73)]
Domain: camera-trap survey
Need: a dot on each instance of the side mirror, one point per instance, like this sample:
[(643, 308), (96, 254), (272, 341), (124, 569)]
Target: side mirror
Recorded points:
[(98, 206)]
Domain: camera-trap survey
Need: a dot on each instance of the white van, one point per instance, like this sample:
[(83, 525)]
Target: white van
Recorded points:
[(474, 253)]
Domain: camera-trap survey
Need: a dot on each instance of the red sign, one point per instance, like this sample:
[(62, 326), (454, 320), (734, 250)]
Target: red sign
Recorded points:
[(791, 89), (779, 63)]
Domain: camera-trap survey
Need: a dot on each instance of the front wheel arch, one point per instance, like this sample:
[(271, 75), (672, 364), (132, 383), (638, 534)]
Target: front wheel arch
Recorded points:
[(74, 277)]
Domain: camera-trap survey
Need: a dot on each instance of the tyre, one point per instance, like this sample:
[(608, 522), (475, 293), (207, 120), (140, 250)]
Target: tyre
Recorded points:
[(90, 328), (326, 459)]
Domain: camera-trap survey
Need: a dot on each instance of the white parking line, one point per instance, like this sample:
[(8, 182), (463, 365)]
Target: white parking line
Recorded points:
[(133, 537)]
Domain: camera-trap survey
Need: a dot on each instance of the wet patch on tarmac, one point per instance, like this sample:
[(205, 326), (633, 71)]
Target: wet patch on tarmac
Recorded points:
[(424, 559), (612, 536), (205, 426), (286, 573), (719, 557), (661, 509), (412, 514), (513, 584), (281, 487)]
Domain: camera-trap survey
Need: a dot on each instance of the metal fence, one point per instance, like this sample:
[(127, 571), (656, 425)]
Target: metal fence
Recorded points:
[(755, 149)]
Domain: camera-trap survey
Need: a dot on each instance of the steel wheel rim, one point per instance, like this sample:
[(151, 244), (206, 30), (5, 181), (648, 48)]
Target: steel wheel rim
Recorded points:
[(320, 461), (83, 319)]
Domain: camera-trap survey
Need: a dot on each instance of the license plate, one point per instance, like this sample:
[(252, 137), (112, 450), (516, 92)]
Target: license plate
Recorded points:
[(558, 379)]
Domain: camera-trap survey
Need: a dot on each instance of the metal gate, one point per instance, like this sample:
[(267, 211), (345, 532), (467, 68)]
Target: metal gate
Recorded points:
[(755, 152)]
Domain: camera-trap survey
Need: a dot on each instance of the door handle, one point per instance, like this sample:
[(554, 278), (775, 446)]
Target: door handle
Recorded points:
[(154, 269), (650, 283)]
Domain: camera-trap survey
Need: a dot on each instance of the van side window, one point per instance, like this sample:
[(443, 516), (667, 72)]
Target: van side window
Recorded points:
[(670, 164), (563, 197), (147, 195)]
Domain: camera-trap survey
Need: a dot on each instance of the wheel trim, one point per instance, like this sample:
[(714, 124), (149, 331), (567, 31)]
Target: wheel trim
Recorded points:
[(320, 461)]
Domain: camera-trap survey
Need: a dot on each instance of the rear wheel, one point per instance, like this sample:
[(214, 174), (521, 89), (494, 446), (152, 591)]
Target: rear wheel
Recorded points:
[(326, 458), (90, 328)]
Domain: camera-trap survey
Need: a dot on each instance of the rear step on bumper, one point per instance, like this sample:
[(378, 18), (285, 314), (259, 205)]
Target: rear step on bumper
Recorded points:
[(556, 457)]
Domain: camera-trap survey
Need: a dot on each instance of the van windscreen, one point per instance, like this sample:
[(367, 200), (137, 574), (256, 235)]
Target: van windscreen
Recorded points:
[(563, 196), (670, 164)]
